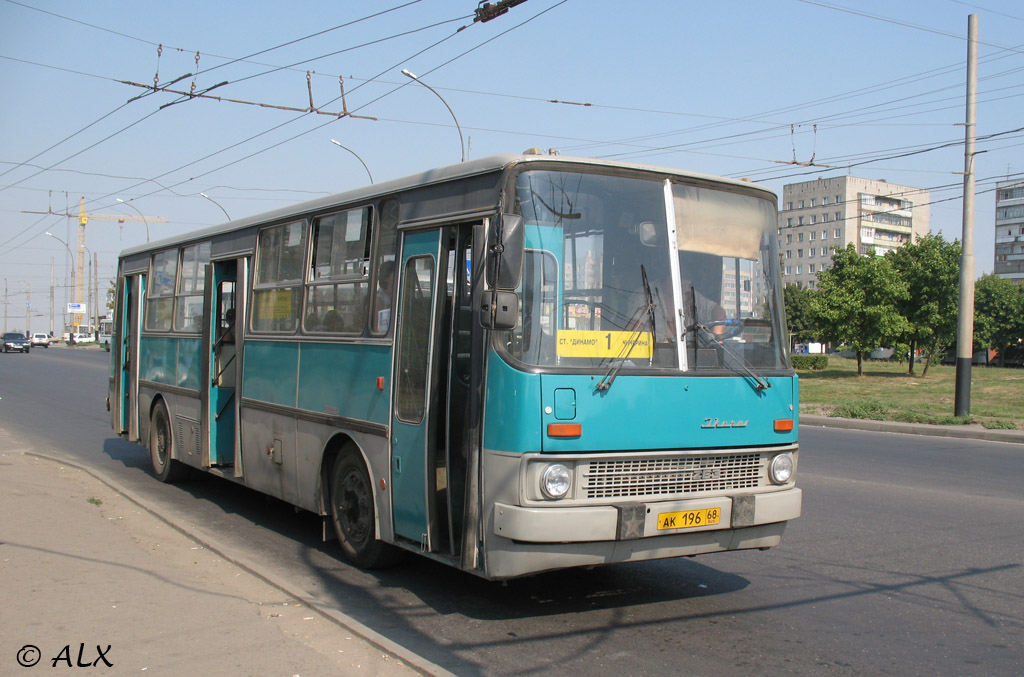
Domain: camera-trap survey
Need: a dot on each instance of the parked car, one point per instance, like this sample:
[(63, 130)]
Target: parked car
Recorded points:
[(16, 341), (40, 339)]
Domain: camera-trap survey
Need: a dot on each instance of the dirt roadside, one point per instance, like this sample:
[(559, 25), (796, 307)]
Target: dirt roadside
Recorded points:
[(83, 568)]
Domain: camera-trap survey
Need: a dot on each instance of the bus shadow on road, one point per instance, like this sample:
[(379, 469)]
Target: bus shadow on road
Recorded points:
[(129, 454), (579, 590)]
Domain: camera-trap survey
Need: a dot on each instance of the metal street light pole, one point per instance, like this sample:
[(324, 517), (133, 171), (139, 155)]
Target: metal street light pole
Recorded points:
[(140, 214), (72, 255), (462, 145), (336, 143), (218, 204)]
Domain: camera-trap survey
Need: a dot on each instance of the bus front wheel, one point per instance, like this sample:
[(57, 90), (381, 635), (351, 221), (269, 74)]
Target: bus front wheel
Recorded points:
[(352, 510), (161, 447)]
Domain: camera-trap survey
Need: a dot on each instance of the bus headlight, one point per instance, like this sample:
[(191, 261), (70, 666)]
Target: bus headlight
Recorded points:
[(555, 481), (781, 469)]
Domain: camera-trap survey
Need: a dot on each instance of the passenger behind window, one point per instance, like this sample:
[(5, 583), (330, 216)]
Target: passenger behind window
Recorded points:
[(333, 322)]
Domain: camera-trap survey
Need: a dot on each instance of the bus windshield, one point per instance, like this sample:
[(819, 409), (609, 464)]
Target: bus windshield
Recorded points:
[(646, 274)]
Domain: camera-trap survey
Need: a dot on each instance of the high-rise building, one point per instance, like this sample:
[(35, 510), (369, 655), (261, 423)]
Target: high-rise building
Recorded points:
[(1009, 254), (820, 216)]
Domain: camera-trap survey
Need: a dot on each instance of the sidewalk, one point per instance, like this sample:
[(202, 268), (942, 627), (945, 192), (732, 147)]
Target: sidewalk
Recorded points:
[(80, 564), (973, 431)]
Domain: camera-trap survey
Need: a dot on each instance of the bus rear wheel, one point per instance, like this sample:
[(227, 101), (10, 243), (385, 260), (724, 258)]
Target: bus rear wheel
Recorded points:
[(161, 447), (352, 511)]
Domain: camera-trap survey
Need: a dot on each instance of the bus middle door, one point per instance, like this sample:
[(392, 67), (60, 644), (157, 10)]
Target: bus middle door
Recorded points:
[(221, 347)]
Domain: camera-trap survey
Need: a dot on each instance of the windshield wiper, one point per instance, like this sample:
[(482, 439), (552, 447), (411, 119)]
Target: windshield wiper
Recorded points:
[(740, 363), (634, 321)]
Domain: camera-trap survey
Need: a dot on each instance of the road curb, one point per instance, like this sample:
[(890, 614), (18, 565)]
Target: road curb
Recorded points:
[(974, 432), (232, 555)]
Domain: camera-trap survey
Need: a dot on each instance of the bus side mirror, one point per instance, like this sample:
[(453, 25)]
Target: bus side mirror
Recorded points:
[(499, 310), (504, 251)]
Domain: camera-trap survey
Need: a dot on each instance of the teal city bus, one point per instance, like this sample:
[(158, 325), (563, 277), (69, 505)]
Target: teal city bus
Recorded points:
[(511, 365)]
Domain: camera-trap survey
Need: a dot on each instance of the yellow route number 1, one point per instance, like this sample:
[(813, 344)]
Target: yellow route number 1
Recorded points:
[(604, 344)]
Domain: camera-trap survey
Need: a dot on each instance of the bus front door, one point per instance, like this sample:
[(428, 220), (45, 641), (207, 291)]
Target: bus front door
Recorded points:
[(414, 421)]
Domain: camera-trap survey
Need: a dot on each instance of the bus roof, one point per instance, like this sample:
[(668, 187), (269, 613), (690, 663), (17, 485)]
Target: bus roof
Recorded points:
[(485, 165)]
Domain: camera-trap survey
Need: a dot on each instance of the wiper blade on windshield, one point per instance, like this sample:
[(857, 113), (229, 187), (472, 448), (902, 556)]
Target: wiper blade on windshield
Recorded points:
[(713, 339), (739, 362), (634, 321)]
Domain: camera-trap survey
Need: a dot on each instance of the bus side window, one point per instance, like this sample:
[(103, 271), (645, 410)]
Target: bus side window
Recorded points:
[(384, 267), (338, 291), (277, 287)]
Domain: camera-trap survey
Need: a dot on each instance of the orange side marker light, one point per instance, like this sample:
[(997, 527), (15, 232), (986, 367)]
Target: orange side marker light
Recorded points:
[(783, 425), (565, 430)]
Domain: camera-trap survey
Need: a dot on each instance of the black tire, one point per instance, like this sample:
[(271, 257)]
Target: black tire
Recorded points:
[(161, 448), (352, 511)]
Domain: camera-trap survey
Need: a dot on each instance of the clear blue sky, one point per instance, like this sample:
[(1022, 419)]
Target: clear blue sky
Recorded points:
[(731, 88)]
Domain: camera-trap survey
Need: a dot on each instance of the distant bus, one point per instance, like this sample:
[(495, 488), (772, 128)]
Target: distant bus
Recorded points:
[(511, 365), (106, 331)]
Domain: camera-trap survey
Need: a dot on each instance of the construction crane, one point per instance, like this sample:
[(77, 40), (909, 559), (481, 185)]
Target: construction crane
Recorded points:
[(83, 218)]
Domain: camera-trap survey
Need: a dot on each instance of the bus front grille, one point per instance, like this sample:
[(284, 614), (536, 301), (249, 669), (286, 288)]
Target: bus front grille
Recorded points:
[(668, 476)]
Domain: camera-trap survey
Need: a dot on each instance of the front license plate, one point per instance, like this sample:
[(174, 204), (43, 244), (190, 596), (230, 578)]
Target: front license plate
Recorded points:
[(687, 519)]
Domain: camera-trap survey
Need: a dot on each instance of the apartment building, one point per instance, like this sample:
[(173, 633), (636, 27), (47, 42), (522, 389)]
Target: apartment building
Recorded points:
[(820, 216), (1009, 252)]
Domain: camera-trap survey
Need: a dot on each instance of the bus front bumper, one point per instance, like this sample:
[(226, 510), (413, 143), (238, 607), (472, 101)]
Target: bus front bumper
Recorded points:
[(584, 524)]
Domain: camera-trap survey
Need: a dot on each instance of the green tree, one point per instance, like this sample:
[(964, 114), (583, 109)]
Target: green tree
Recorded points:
[(998, 314), (930, 268), (857, 302), (800, 318)]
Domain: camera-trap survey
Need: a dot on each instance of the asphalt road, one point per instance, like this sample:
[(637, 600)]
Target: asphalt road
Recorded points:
[(908, 560)]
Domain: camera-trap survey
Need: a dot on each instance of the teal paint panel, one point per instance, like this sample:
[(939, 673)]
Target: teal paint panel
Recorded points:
[(796, 405), (512, 408), (270, 371), (158, 357), (676, 412), (189, 363), (222, 422), (341, 379)]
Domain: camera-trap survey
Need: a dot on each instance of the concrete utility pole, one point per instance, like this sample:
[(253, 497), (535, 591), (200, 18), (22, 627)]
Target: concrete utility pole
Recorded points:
[(51, 296), (965, 317)]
